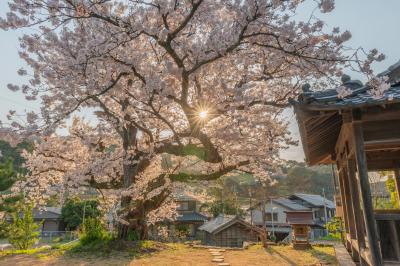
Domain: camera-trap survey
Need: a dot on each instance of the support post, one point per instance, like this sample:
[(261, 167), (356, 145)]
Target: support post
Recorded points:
[(357, 212), (369, 218), (395, 239), (397, 182), (345, 210), (350, 214)]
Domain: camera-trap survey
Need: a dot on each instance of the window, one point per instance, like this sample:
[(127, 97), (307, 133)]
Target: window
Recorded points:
[(268, 217), (183, 206)]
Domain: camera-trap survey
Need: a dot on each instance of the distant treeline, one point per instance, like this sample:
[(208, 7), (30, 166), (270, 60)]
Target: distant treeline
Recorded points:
[(295, 177)]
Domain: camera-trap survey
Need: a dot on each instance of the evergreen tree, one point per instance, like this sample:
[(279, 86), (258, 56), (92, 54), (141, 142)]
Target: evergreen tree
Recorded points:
[(23, 231)]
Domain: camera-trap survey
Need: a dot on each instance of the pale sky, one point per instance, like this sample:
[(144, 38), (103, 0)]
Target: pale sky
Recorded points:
[(373, 24)]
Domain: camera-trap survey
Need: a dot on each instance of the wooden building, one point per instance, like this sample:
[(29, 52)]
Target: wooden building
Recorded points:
[(301, 222), (228, 231), (49, 218), (188, 214), (358, 133)]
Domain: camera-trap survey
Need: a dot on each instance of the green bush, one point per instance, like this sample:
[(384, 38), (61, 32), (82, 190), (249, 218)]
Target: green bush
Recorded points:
[(334, 228), (93, 230), (132, 235), (23, 231), (74, 210)]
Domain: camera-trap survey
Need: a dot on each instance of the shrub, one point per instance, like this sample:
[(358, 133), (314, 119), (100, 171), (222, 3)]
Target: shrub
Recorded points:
[(74, 210), (23, 231), (334, 228), (93, 230)]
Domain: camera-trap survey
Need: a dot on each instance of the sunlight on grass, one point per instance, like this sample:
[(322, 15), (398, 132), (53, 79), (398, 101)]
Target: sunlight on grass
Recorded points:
[(318, 254), (151, 253), (22, 251)]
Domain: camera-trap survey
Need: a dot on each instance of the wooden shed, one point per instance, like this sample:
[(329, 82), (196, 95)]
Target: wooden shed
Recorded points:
[(301, 222), (359, 133), (228, 231)]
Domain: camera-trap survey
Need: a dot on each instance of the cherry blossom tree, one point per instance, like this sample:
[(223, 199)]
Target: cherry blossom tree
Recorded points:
[(204, 79)]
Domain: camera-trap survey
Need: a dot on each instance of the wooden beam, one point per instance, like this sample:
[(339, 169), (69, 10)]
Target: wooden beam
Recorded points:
[(370, 224), (385, 144), (381, 130), (379, 114)]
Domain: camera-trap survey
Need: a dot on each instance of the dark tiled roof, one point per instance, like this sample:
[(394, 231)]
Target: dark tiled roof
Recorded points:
[(328, 99), (48, 213), (360, 94), (224, 221), (191, 217), (290, 204), (183, 197), (315, 200), (216, 223)]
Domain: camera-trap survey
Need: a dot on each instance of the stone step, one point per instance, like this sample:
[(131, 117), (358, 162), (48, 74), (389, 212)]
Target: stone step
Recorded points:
[(217, 260), (216, 250), (223, 264)]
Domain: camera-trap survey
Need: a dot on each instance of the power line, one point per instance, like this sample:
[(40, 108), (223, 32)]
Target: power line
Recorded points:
[(18, 103)]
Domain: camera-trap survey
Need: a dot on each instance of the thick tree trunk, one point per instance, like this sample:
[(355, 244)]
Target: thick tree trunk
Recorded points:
[(136, 230)]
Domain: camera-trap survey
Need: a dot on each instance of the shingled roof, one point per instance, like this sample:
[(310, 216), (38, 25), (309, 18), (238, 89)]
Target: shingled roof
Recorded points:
[(191, 217), (224, 221), (360, 96), (319, 113), (314, 200), (290, 204)]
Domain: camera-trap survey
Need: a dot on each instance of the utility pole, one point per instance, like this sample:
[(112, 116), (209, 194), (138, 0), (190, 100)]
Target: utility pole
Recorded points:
[(251, 210), (84, 210), (272, 218), (326, 215)]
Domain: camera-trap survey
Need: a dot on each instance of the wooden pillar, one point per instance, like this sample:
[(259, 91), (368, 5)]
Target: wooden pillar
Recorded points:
[(369, 218), (395, 239), (350, 214), (345, 208), (397, 181), (357, 212)]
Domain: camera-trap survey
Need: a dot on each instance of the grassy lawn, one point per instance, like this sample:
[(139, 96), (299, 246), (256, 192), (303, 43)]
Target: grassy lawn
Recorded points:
[(152, 253)]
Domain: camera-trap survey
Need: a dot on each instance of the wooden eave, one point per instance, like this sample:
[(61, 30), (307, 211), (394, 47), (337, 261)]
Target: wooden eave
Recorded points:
[(320, 128)]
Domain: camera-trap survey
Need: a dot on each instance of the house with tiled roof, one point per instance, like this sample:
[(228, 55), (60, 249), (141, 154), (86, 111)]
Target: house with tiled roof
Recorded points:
[(317, 204), (276, 216), (188, 214)]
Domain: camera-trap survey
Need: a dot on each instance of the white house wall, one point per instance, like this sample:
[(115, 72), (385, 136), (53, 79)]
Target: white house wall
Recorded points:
[(257, 214)]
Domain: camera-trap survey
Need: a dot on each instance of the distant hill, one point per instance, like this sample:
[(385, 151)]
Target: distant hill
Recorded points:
[(295, 178)]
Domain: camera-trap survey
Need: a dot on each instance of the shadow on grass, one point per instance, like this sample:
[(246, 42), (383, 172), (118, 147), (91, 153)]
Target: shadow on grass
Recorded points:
[(281, 255), (322, 256), (110, 248)]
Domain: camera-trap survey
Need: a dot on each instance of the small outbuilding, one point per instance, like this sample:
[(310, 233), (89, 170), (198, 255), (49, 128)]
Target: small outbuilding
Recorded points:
[(301, 222), (49, 218), (228, 231)]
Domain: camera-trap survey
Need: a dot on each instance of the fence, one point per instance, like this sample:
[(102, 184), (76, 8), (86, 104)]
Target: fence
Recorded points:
[(49, 236)]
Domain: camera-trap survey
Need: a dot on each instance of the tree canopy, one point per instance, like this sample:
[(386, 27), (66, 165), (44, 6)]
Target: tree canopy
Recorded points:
[(202, 79)]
